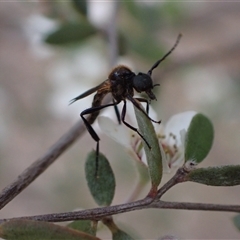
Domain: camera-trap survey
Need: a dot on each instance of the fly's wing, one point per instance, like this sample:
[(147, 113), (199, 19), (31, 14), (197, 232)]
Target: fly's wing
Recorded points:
[(88, 92)]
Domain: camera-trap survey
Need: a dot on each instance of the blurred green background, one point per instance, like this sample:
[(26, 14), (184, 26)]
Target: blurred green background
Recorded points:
[(45, 62)]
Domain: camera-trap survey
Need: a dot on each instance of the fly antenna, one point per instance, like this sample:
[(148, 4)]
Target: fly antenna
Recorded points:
[(166, 55)]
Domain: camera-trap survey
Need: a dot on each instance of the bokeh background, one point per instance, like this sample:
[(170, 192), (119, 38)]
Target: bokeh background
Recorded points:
[(38, 78)]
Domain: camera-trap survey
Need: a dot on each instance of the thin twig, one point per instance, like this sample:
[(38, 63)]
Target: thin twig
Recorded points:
[(195, 206), (147, 203), (94, 214)]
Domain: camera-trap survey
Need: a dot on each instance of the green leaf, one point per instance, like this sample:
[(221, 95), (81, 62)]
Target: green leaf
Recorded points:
[(236, 221), (70, 33), (29, 230), (216, 176), (199, 138), (101, 181), (80, 6), (154, 157), (86, 226)]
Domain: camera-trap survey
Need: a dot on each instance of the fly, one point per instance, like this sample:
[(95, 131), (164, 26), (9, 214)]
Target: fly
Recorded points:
[(121, 83)]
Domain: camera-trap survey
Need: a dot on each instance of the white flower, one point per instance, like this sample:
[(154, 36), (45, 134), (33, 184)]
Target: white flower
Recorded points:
[(171, 138)]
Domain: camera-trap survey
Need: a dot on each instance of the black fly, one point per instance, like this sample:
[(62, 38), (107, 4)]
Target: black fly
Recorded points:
[(121, 83)]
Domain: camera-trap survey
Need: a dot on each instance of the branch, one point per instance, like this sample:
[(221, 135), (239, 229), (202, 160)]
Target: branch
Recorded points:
[(32, 172), (195, 206), (95, 213), (41, 164), (146, 203)]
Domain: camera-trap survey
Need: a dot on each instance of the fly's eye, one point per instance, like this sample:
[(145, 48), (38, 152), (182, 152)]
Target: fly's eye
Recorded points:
[(142, 82)]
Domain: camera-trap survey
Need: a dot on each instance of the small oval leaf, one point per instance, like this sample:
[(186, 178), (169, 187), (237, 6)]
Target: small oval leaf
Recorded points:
[(101, 181), (199, 138), (216, 176), (28, 230), (70, 33), (154, 157)]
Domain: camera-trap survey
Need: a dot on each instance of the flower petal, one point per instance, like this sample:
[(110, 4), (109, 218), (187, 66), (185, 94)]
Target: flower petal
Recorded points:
[(177, 123), (117, 132)]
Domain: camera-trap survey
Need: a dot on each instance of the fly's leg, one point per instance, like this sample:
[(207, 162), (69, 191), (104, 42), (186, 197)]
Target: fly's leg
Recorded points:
[(92, 132), (94, 111), (130, 126), (117, 112), (136, 104), (147, 103)]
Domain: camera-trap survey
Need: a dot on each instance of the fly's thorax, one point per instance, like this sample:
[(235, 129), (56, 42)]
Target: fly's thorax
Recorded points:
[(121, 82), (120, 72)]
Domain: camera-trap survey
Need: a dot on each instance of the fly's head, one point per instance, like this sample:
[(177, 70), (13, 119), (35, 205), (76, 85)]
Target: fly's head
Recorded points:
[(142, 82)]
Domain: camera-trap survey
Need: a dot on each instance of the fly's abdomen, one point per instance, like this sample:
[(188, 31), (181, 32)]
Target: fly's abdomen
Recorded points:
[(97, 100)]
